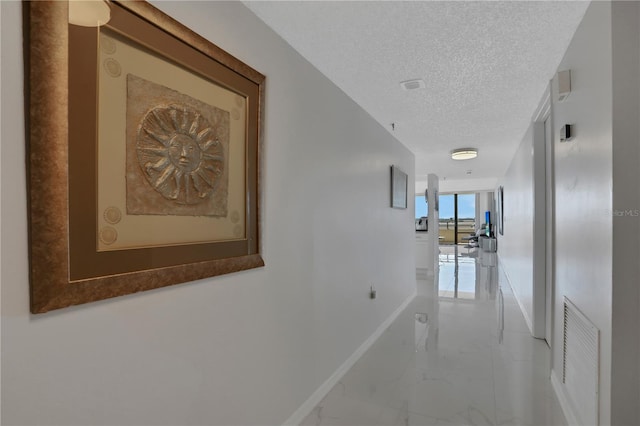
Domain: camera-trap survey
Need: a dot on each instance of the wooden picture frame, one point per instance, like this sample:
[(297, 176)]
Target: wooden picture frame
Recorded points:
[(144, 147), (399, 182)]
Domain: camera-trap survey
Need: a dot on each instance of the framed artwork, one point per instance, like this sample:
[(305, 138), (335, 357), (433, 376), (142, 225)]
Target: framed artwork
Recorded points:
[(500, 208), (399, 181), (144, 155)]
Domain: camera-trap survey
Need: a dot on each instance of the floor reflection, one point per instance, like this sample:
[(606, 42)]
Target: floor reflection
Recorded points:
[(459, 354), (422, 331), (467, 273)]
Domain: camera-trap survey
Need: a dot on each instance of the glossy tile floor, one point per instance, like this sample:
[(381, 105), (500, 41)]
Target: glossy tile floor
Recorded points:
[(460, 354)]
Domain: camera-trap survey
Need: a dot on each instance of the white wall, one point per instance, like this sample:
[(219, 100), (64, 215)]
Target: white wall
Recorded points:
[(247, 348), (625, 393), (597, 199), (515, 247), (450, 186), (522, 248), (485, 202), (583, 185), (0, 224)]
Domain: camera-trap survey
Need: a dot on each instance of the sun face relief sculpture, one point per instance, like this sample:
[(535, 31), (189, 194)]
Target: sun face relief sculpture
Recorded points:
[(179, 153)]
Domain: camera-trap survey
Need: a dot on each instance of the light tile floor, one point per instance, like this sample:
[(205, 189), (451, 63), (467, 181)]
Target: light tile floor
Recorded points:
[(460, 354)]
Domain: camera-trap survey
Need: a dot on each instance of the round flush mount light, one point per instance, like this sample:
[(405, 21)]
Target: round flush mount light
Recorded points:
[(464, 153)]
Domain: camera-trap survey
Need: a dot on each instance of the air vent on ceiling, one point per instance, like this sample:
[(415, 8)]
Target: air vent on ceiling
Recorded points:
[(412, 84)]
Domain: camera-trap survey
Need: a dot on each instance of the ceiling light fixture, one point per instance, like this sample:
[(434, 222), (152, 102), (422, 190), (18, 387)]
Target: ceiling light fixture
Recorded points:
[(89, 13), (464, 153)]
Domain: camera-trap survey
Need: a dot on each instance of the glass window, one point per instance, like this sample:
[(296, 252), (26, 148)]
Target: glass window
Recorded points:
[(466, 218), (466, 206), (446, 207), (421, 206)]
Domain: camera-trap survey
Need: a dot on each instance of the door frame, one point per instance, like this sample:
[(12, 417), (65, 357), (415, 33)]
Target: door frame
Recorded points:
[(544, 223)]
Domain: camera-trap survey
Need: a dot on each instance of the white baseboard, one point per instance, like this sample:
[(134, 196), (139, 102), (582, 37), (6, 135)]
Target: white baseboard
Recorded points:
[(525, 314), (303, 411), (556, 383)]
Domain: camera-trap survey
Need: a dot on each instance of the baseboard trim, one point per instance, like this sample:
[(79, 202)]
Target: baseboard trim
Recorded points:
[(303, 411), (556, 383), (525, 314)]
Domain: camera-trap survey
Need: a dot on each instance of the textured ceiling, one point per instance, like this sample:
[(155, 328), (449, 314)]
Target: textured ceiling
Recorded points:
[(485, 66)]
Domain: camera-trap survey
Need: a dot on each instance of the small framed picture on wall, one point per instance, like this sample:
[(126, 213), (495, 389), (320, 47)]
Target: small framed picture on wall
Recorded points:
[(399, 181)]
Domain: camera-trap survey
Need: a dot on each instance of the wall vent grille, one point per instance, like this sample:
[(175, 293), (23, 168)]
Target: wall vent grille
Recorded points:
[(581, 361)]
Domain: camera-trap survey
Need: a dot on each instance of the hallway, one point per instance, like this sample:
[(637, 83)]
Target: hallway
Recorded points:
[(463, 357)]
